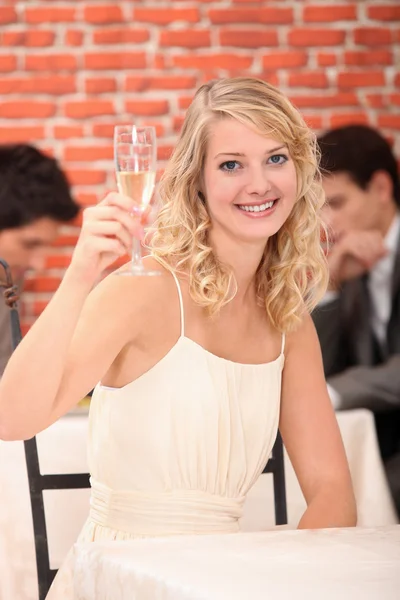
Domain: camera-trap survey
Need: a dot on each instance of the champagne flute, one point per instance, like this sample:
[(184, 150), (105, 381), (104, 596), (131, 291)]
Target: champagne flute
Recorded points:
[(135, 154)]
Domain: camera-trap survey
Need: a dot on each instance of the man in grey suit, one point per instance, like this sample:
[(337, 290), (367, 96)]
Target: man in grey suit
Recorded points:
[(35, 200), (358, 322)]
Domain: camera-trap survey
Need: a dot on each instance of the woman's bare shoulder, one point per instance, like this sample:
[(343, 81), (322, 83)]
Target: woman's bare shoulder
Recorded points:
[(126, 298)]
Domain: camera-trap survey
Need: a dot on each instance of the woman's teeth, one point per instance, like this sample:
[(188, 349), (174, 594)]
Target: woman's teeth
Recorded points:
[(256, 208)]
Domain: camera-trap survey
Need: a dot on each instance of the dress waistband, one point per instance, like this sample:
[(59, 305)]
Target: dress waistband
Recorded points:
[(179, 512)]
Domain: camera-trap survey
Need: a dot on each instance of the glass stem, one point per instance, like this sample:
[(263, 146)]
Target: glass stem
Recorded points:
[(137, 263)]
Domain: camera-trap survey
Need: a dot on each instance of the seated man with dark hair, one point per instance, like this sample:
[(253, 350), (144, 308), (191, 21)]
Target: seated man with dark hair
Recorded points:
[(358, 322), (35, 199)]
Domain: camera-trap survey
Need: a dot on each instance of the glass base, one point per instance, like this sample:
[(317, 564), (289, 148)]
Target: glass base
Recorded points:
[(137, 271)]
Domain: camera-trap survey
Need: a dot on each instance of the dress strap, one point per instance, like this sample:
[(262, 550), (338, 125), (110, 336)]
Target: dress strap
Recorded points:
[(283, 343), (180, 303)]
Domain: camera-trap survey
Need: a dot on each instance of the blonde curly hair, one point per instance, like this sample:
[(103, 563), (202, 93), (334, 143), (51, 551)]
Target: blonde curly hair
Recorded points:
[(292, 275)]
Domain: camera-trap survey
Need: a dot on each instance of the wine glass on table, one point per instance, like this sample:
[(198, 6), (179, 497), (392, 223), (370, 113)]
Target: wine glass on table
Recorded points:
[(135, 154)]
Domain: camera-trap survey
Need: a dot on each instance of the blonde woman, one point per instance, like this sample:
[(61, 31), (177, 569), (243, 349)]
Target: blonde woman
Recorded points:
[(197, 368)]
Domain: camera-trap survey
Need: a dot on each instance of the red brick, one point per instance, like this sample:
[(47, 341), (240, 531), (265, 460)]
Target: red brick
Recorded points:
[(121, 60), (147, 107), (65, 132), (167, 82), (31, 39), (268, 76), (88, 108), (8, 14), (184, 102), (23, 109), (389, 121), (329, 13), (48, 150), (177, 123), (27, 133), (51, 14), (78, 221), (337, 120), (394, 99), (86, 177), (384, 13), (313, 121), (8, 63), (272, 16), (120, 35), (369, 58), (185, 38), (212, 61), (326, 100), (51, 84), (102, 85), (51, 62), (58, 262), (42, 284), (326, 59), (372, 36), (365, 78), (311, 79), (248, 38), (88, 153), (289, 59), (159, 62), (38, 307), (66, 240), (103, 130), (316, 37), (84, 199), (25, 326), (376, 100), (103, 13), (164, 152), (74, 37), (165, 16)]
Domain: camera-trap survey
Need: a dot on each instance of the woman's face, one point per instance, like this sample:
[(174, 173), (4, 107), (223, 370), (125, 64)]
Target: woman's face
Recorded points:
[(250, 182)]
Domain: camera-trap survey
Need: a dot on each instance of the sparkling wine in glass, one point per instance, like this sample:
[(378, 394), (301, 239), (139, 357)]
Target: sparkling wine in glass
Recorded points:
[(135, 153)]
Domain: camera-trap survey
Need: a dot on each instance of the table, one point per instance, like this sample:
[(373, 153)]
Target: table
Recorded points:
[(62, 448), (328, 564)]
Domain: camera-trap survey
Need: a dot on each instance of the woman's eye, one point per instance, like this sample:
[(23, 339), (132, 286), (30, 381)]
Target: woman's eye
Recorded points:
[(230, 165), (278, 159)]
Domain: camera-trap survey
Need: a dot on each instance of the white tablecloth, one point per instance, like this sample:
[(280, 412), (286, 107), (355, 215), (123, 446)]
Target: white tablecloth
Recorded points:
[(62, 448), (286, 565)]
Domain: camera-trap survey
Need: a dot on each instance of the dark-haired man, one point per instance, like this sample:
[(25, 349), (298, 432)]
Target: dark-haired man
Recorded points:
[(35, 200), (358, 322)]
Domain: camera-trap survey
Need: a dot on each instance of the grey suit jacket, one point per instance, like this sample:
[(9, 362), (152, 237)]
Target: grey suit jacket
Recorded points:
[(363, 374)]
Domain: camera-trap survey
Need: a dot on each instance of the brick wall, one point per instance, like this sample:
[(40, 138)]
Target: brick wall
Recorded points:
[(71, 69)]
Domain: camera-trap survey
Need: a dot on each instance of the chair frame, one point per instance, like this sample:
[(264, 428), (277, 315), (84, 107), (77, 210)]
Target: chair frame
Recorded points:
[(38, 483), (276, 466)]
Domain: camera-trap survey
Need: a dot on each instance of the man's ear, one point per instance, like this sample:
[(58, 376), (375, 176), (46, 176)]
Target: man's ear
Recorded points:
[(381, 186)]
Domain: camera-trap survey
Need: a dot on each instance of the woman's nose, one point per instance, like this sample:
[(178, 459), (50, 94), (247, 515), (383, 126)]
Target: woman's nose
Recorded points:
[(259, 183)]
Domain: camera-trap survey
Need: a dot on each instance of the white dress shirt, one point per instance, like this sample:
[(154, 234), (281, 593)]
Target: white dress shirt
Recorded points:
[(380, 284), (380, 291)]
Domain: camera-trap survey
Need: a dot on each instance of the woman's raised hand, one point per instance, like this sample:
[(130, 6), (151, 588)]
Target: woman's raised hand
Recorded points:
[(106, 234)]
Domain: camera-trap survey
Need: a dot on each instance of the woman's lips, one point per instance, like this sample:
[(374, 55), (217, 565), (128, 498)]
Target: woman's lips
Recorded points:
[(258, 210)]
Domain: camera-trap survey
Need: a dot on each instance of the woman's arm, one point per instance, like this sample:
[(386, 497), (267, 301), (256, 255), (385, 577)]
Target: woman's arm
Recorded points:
[(311, 435), (69, 347)]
